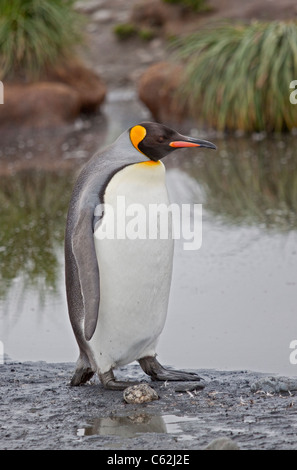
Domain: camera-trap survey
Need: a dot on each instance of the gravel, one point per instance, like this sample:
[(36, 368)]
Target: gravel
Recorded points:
[(39, 410)]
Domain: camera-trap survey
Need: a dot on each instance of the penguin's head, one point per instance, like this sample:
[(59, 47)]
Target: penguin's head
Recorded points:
[(156, 140)]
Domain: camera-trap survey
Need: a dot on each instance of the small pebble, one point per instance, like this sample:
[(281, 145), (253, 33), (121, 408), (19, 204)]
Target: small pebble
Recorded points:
[(141, 393), (274, 384), (102, 16)]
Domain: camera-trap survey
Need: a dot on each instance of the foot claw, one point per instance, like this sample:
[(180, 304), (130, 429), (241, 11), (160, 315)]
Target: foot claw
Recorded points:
[(110, 383), (81, 376), (152, 367)]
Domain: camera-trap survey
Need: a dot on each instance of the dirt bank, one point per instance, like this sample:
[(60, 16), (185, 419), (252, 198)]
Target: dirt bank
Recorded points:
[(39, 410)]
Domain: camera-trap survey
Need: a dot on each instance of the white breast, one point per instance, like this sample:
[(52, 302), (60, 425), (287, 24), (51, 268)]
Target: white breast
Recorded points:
[(135, 274)]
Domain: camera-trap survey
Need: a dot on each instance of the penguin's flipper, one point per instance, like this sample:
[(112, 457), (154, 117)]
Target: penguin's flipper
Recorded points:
[(85, 255)]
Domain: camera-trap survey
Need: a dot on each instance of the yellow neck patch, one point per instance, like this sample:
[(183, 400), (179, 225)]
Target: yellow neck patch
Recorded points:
[(137, 134), (150, 162)]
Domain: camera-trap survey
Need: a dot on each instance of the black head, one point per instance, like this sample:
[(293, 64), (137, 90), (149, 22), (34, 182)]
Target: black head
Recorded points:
[(156, 140)]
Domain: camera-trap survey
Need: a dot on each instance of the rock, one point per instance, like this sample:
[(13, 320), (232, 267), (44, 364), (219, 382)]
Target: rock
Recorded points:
[(88, 6), (222, 443), (102, 16), (156, 14), (87, 84), (157, 90), (57, 99), (39, 104), (141, 393), (153, 13), (274, 385)]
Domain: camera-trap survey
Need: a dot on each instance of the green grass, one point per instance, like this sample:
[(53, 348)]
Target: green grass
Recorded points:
[(35, 34), (195, 5), (124, 31), (146, 34), (238, 76)]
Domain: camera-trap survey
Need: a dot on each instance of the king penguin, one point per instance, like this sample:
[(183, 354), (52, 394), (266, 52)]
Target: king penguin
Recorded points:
[(118, 287)]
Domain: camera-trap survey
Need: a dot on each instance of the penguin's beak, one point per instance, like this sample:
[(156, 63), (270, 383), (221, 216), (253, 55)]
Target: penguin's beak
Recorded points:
[(190, 142)]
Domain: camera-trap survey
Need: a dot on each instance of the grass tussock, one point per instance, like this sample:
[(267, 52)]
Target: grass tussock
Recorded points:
[(238, 76), (194, 5), (35, 34), (125, 31)]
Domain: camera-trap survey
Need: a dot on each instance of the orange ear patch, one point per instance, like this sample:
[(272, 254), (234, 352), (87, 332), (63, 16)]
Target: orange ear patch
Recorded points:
[(137, 134)]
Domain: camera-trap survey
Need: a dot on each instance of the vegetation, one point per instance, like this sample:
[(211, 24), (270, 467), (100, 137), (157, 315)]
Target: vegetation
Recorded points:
[(146, 34), (195, 5), (238, 76), (125, 31), (33, 219), (35, 34)]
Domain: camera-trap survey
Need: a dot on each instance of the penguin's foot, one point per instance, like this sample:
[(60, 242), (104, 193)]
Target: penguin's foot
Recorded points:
[(81, 376), (152, 367), (110, 383)]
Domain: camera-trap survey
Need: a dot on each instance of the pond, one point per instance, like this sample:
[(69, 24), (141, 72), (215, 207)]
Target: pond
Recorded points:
[(233, 302)]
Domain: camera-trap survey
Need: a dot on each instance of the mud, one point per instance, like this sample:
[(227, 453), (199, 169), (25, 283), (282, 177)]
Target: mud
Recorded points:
[(39, 410)]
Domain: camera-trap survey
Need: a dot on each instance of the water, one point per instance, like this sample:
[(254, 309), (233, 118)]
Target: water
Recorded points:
[(137, 424), (233, 302)]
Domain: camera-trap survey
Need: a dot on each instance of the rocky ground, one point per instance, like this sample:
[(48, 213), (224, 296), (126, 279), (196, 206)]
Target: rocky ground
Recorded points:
[(121, 63), (39, 410)]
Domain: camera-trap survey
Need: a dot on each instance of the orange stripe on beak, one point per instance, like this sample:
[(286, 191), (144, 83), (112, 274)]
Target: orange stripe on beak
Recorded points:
[(182, 143)]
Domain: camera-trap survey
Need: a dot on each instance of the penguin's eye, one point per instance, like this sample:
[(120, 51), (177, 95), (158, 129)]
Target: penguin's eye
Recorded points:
[(161, 139)]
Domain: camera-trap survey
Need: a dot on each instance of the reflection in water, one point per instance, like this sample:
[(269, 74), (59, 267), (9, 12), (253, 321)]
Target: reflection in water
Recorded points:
[(125, 426), (238, 186), (248, 182), (133, 425), (33, 213), (51, 149)]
